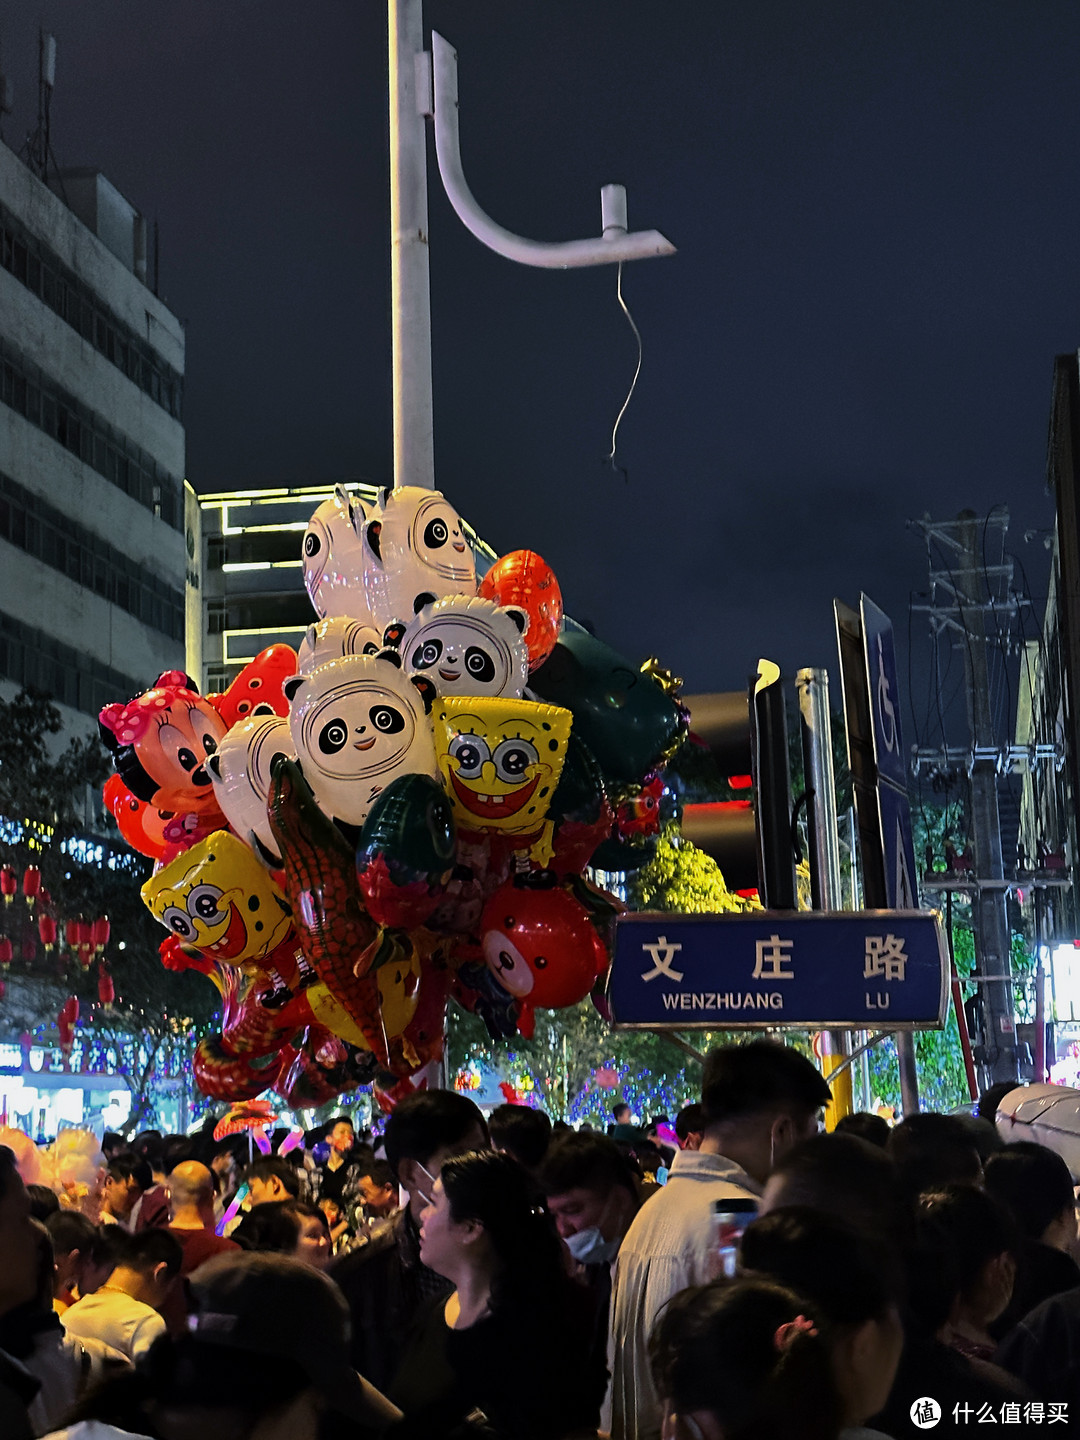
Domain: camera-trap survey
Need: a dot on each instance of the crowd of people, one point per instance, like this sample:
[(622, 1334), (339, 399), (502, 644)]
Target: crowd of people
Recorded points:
[(736, 1274)]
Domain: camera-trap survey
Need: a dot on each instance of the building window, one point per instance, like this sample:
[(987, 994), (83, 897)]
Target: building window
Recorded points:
[(36, 661), (35, 526), (38, 267), (25, 388)]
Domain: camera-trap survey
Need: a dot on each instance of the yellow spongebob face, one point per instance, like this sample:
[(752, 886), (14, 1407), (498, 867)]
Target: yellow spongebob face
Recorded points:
[(501, 760), (218, 898)]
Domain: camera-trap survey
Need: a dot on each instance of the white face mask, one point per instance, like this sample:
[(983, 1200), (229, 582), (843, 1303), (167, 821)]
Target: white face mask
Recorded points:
[(588, 1247)]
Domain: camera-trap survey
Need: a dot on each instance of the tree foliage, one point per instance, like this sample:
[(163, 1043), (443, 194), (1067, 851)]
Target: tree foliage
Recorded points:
[(50, 818)]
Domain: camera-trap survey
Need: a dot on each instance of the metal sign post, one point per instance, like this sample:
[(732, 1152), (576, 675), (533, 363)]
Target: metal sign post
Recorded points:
[(872, 718)]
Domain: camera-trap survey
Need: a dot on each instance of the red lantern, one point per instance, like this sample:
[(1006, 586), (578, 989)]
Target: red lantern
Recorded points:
[(47, 930), (86, 955), (8, 883), (71, 934), (105, 988), (99, 933), (3, 989), (65, 1023), (45, 898), (31, 884), (7, 950)]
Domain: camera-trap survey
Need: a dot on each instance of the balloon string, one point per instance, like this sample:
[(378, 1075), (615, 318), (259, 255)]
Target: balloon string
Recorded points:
[(633, 383)]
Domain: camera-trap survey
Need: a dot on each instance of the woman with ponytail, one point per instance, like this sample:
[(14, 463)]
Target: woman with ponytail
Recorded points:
[(743, 1360), (510, 1354)]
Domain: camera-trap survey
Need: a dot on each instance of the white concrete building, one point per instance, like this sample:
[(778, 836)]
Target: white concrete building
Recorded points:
[(93, 559)]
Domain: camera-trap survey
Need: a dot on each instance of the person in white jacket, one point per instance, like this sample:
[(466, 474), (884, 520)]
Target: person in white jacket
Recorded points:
[(759, 1100)]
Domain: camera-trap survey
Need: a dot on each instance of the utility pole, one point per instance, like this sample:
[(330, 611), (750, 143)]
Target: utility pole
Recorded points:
[(823, 841), (410, 291), (971, 589), (424, 86)]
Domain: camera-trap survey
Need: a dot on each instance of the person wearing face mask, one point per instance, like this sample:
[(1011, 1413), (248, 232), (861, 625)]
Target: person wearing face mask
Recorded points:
[(592, 1194), (386, 1281), (759, 1100)]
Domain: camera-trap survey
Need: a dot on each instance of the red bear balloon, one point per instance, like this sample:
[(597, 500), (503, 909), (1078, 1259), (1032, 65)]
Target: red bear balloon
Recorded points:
[(541, 946)]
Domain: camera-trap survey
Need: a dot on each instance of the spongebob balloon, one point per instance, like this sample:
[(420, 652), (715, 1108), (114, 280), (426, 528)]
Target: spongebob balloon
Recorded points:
[(217, 898), (415, 551), (501, 760)]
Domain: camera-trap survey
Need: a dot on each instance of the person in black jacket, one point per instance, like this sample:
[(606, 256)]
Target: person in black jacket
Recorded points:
[(1035, 1186), (385, 1281), (18, 1282), (511, 1343)]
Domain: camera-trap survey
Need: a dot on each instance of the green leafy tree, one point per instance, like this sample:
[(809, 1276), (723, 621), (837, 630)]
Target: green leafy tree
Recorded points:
[(49, 818)]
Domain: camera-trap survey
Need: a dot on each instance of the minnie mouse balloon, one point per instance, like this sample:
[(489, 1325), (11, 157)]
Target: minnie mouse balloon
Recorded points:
[(161, 741)]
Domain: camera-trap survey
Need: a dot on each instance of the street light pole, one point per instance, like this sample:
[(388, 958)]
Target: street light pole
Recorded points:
[(410, 287)]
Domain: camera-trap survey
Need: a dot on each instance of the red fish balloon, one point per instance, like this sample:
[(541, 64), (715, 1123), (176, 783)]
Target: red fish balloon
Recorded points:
[(524, 579)]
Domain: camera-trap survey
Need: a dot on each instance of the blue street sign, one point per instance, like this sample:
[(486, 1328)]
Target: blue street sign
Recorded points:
[(865, 969), (884, 695), (898, 848)]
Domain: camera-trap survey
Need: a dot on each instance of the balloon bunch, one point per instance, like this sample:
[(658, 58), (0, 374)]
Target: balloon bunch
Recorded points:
[(398, 812)]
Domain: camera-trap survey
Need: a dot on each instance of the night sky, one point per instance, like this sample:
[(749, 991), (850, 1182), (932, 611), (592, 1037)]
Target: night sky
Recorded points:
[(878, 221)]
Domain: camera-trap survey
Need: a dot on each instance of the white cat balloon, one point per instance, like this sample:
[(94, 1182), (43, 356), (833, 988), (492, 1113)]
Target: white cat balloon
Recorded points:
[(415, 551), (467, 645), (358, 723)]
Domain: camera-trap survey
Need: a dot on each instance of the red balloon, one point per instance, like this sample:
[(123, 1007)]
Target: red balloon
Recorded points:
[(523, 578), (259, 683), (541, 947)]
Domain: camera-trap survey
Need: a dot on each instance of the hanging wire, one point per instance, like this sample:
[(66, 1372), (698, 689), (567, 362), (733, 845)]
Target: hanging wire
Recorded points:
[(610, 460)]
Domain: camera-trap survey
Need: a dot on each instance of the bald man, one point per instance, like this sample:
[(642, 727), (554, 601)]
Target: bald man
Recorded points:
[(191, 1212)]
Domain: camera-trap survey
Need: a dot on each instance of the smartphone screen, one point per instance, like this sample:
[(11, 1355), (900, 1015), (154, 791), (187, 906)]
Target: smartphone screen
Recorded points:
[(730, 1219)]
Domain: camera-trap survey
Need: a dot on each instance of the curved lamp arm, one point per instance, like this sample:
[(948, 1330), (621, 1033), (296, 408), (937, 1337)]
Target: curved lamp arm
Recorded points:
[(614, 245)]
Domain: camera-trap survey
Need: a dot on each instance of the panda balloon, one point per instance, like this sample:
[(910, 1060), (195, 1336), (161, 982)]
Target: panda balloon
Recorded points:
[(467, 646), (415, 551), (241, 773), (332, 638), (333, 556), (358, 723)]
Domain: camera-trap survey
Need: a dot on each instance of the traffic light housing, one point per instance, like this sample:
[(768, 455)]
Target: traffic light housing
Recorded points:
[(751, 840)]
